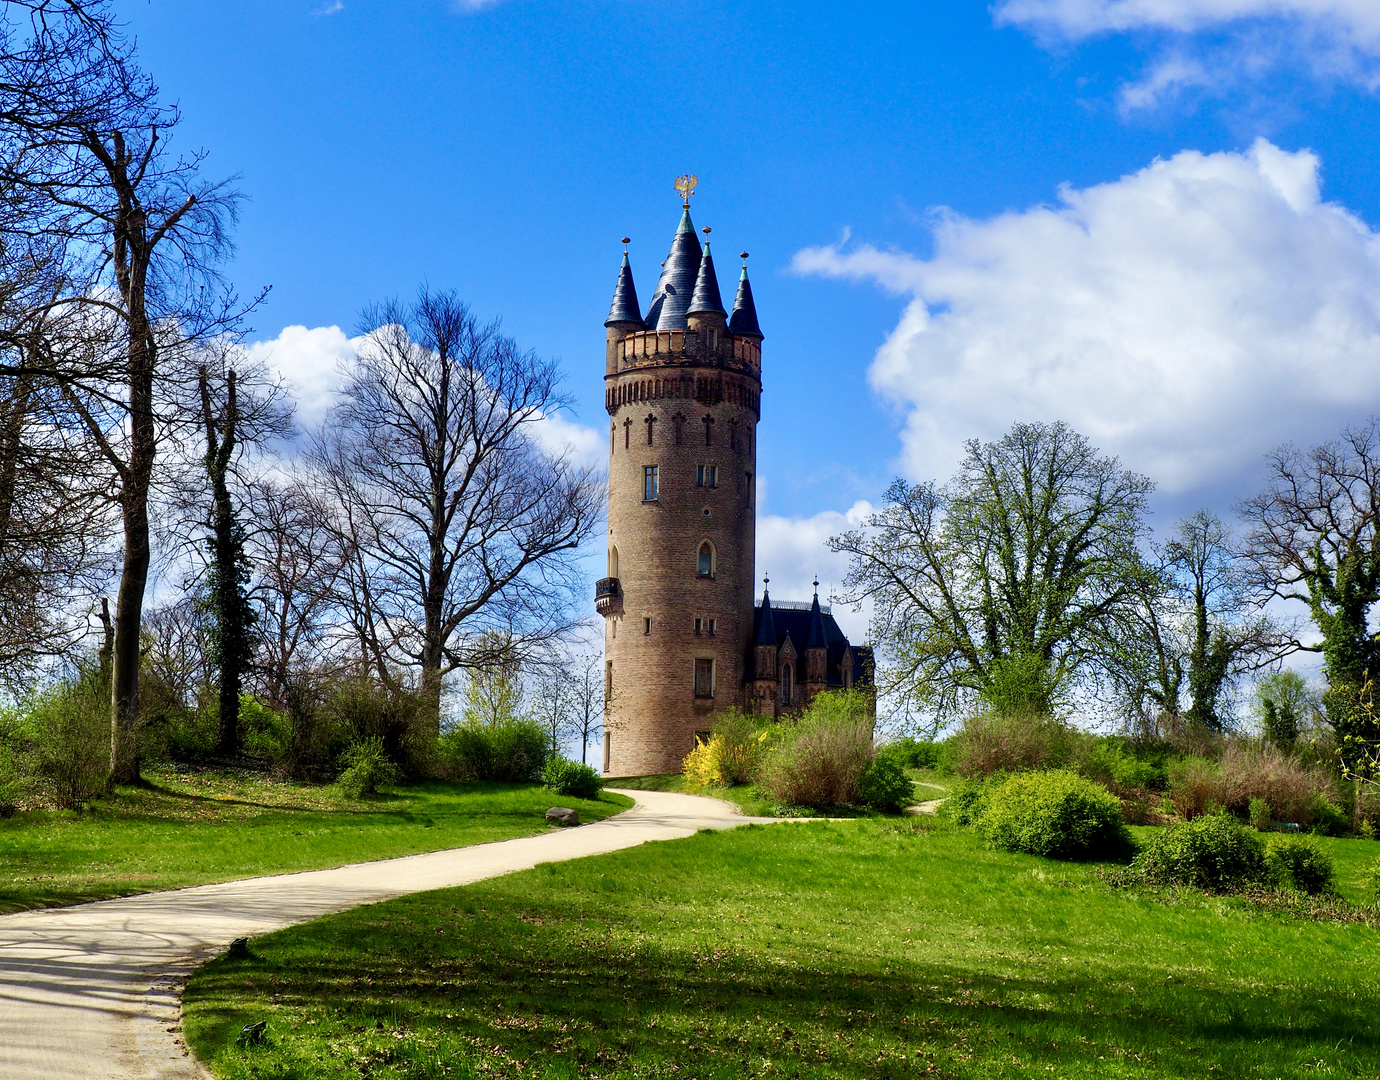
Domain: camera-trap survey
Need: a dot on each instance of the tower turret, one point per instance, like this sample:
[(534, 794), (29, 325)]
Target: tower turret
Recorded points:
[(744, 318), (624, 314), (683, 396)]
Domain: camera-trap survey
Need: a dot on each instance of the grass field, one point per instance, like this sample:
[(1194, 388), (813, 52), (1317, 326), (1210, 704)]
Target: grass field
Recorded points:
[(865, 948), (191, 829)]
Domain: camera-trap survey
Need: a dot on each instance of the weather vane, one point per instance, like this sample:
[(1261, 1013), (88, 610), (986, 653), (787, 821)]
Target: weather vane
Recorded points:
[(685, 185)]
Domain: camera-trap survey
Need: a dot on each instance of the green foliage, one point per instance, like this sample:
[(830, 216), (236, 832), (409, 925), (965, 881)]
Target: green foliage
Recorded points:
[(365, 768), (1113, 763), (963, 805), (818, 760), (1370, 881), (1298, 862), (1325, 817), (1057, 814), (67, 726), (733, 752), (13, 782), (266, 733), (514, 751), (1209, 852), (1282, 700), (993, 742), (884, 786), (571, 778), (915, 753), (1259, 813)]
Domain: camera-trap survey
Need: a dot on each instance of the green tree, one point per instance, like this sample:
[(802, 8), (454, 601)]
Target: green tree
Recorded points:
[(1284, 703), (1011, 584), (1315, 538)]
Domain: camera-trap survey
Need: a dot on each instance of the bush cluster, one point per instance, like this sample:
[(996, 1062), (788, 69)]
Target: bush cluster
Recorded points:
[(731, 755), (1211, 851), (365, 768), (1058, 814), (571, 778), (513, 751)]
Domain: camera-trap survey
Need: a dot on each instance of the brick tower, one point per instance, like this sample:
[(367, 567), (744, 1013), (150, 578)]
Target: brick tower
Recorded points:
[(683, 389)]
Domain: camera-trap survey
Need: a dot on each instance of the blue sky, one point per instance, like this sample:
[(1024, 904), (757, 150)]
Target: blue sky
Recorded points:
[(1153, 218)]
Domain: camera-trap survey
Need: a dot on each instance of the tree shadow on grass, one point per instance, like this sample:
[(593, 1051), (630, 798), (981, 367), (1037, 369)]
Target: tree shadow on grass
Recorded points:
[(555, 988)]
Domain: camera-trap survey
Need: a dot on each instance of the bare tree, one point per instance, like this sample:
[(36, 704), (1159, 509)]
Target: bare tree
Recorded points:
[(460, 528), (1315, 538), (587, 697), (85, 141)]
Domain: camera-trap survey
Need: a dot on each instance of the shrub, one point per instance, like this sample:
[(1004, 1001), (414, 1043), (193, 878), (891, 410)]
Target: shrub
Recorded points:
[(915, 753), (732, 754), (361, 709), (1058, 814), (990, 742), (1109, 763), (571, 778), (1196, 787), (1264, 772), (11, 771), (885, 786), (68, 727), (1370, 880), (1259, 814), (366, 767), (514, 751), (819, 760), (1210, 851), (963, 804), (1299, 863), (265, 733), (1325, 816)]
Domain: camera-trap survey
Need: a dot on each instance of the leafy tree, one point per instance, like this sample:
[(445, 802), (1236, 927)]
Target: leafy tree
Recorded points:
[(1284, 704), (1013, 583), (1315, 538)]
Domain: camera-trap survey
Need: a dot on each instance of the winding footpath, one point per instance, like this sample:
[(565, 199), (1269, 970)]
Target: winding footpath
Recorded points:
[(94, 992)]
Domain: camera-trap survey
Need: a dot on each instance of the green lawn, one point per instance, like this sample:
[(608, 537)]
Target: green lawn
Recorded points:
[(865, 948), (191, 829)]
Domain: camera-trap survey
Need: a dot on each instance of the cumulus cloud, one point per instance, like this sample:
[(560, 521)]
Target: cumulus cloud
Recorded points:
[(793, 551), (309, 360), (1188, 317), (1215, 46)]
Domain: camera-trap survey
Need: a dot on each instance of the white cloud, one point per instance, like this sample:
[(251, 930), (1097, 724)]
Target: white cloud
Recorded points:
[(1188, 317), (1216, 46), (310, 360), (793, 551), (558, 434)]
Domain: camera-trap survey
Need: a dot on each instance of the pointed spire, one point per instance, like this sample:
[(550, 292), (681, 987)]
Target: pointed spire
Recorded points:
[(744, 318), (682, 266), (705, 300), (766, 625), (625, 308), (817, 638)]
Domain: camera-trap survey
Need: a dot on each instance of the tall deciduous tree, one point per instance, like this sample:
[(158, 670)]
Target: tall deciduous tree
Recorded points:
[(1315, 538), (461, 527), (87, 141), (1013, 582)]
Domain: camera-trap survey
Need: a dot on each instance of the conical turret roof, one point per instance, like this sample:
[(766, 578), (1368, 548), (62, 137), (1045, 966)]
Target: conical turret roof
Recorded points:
[(625, 308), (744, 317), (766, 625), (671, 300), (817, 638), (705, 300)]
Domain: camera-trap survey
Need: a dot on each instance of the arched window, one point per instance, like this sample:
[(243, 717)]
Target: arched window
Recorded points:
[(706, 562), (613, 561), (786, 685)]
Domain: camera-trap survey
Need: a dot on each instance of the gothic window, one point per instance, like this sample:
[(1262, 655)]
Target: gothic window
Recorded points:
[(650, 483), (733, 435), (613, 431), (706, 476), (706, 559), (708, 428), (627, 432), (679, 421), (647, 625), (699, 625), (713, 338), (613, 561), (651, 427), (704, 678), (786, 685)]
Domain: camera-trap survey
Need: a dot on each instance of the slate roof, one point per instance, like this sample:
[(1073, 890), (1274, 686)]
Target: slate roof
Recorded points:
[(706, 296), (671, 300), (795, 624), (625, 308), (744, 317)]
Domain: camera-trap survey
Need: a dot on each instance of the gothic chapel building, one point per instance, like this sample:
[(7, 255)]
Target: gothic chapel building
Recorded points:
[(683, 636)]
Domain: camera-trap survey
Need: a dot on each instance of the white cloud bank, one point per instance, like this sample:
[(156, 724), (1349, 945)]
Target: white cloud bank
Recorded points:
[(793, 551), (1216, 45), (1188, 317)]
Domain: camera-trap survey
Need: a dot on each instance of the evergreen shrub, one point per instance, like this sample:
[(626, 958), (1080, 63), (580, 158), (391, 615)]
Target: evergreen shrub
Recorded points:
[(571, 778), (1299, 863), (1211, 851), (1058, 814), (885, 786)]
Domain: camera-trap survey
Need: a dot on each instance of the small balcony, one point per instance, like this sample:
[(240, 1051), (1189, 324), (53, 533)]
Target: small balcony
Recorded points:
[(608, 597)]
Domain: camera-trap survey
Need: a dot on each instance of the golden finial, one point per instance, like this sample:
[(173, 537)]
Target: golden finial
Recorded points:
[(685, 185)]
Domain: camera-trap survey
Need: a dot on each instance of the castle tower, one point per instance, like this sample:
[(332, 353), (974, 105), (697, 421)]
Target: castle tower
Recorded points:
[(682, 388)]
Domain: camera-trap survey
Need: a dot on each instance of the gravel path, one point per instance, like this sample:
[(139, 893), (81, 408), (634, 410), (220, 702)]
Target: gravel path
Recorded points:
[(93, 992)]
